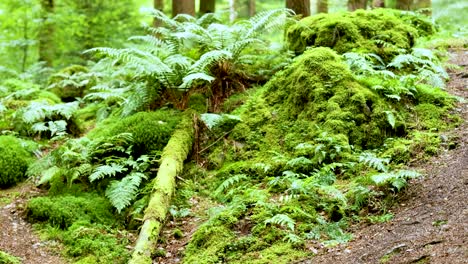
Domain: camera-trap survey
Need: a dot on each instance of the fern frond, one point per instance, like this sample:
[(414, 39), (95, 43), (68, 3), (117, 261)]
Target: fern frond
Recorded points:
[(373, 161), (106, 170), (229, 182), (121, 193), (281, 220)]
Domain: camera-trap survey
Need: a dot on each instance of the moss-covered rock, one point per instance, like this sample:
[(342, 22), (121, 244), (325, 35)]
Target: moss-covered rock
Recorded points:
[(14, 160), (64, 210), (151, 130), (318, 87), (383, 32)]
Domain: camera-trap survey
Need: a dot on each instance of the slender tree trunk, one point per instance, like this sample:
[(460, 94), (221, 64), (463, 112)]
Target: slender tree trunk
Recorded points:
[(357, 4), (183, 7), (26, 38), (404, 4), (232, 10), (300, 7), (207, 6), (378, 4), (251, 7), (172, 161), (158, 5), (46, 33), (322, 6)]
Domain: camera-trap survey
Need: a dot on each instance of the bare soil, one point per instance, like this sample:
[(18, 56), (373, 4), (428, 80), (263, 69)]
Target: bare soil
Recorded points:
[(17, 237), (430, 223)]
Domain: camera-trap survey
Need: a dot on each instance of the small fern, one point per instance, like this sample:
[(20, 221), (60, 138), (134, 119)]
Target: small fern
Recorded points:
[(229, 182), (281, 220), (373, 161), (106, 171), (121, 193)]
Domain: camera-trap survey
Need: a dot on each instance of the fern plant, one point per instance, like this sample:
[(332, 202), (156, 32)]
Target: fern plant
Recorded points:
[(189, 52)]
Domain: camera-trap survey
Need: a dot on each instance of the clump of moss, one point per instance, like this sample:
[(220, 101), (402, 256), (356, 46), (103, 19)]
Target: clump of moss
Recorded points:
[(319, 87), (14, 161), (380, 31), (6, 258), (151, 130), (63, 211)]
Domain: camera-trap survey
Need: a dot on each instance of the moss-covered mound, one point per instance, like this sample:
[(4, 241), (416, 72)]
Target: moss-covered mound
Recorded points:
[(14, 160), (381, 31), (317, 147), (84, 223), (320, 88), (63, 211), (150, 130)]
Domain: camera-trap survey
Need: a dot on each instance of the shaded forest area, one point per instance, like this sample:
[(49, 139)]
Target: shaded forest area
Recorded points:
[(208, 131)]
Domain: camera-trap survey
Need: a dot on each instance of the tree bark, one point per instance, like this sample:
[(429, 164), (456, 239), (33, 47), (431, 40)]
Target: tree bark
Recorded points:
[(207, 6), (378, 3), (356, 4), (251, 7), (172, 161), (322, 6), (159, 5), (46, 33), (183, 7), (300, 7), (232, 10), (404, 4)]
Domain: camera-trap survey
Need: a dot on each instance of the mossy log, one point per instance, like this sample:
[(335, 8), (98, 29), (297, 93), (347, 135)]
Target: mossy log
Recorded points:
[(172, 160)]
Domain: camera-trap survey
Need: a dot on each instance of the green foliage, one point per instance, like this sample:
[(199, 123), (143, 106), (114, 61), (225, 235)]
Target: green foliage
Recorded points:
[(191, 52), (14, 161), (150, 130), (63, 211), (6, 258), (383, 32), (88, 243)]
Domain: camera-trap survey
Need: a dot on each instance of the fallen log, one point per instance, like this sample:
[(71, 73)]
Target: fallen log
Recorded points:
[(172, 160)]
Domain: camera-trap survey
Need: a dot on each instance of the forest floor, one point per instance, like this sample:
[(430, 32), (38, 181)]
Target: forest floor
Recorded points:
[(430, 223), (17, 236)]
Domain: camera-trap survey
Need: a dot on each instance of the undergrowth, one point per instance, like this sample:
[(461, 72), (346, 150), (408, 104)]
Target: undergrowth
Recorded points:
[(322, 145)]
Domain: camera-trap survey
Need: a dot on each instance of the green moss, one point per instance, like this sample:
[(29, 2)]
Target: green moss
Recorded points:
[(208, 244), (14, 161), (198, 102), (276, 253), (151, 130), (381, 31), (6, 258), (88, 243), (63, 211)]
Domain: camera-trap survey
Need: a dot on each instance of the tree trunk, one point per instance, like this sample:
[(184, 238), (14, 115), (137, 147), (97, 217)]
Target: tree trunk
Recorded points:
[(378, 4), (300, 7), (159, 5), (322, 6), (251, 7), (207, 6), (46, 33), (183, 7), (404, 4), (356, 4), (232, 10), (172, 161)]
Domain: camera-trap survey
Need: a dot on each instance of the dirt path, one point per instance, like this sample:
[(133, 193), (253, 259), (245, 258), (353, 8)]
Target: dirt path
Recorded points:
[(431, 220), (16, 235)]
